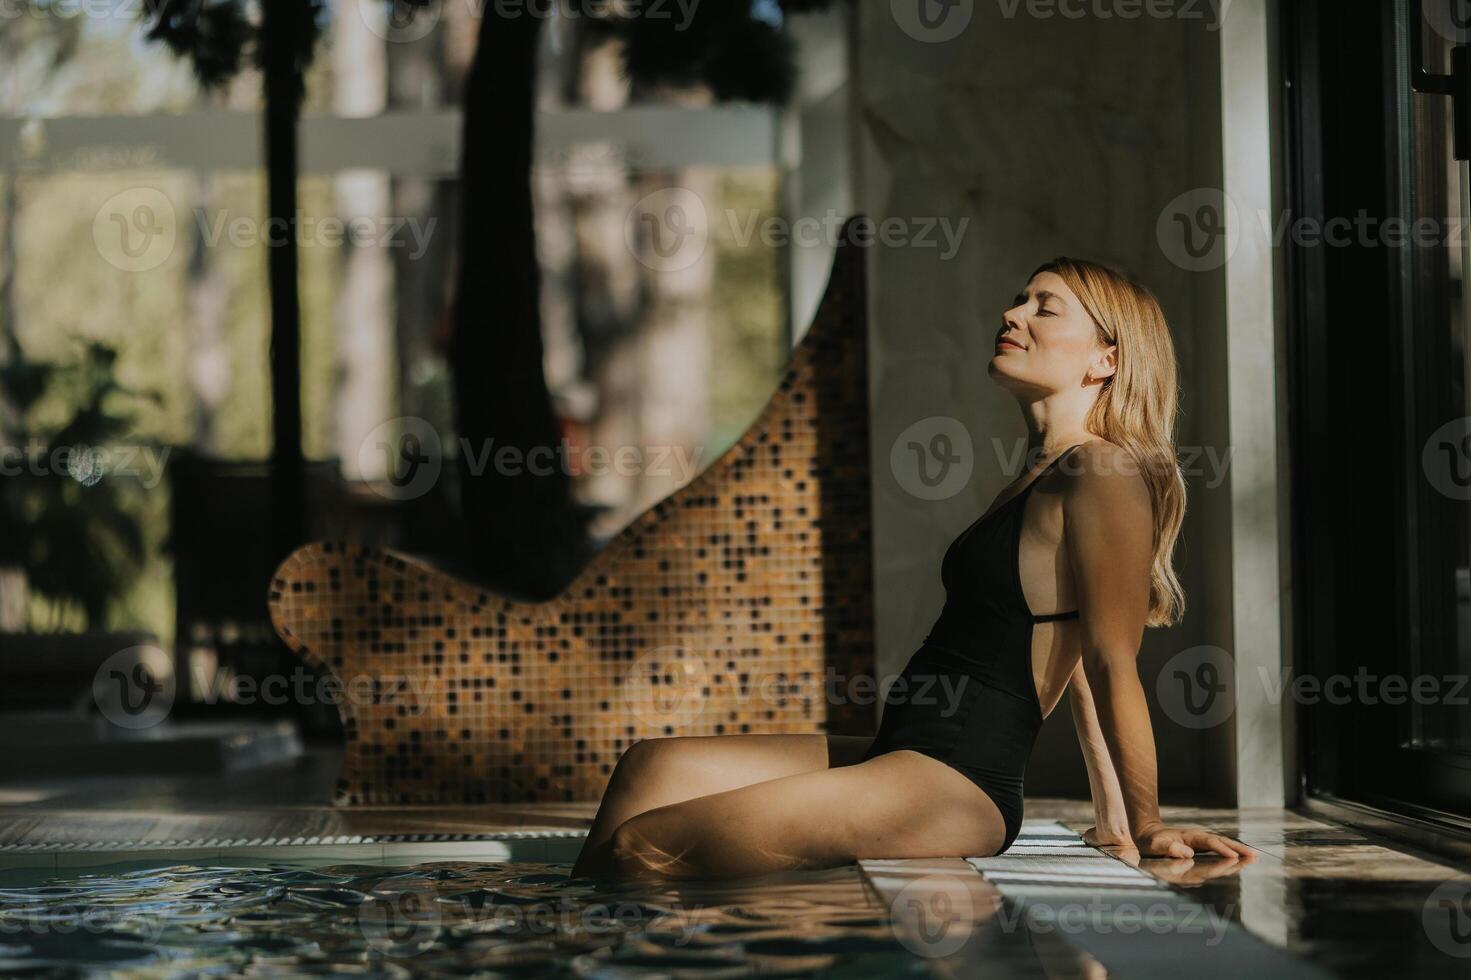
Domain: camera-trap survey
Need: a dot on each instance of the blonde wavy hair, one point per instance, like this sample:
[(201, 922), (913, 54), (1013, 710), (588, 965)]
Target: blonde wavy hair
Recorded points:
[(1137, 407)]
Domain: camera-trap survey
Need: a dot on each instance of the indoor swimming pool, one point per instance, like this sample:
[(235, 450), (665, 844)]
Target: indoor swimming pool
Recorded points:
[(269, 917)]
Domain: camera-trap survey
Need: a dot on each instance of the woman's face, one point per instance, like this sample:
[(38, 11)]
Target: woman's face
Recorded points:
[(1047, 341)]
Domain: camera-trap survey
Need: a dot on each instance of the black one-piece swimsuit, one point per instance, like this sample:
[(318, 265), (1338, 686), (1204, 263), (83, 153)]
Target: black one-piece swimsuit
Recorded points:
[(966, 697)]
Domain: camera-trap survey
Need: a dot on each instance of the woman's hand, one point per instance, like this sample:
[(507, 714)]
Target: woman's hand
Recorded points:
[(1163, 840), (1106, 838)]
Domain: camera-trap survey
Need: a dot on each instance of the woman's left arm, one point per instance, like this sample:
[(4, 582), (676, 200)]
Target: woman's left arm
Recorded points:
[(1109, 533)]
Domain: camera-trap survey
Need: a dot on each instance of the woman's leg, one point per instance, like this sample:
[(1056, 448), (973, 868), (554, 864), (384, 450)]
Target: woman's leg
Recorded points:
[(901, 804), (657, 772)]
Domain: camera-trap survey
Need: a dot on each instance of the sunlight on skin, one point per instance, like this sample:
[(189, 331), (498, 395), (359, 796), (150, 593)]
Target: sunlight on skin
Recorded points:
[(643, 859), (1213, 861)]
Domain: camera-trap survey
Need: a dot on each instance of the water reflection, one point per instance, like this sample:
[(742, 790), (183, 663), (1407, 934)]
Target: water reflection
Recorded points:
[(444, 919)]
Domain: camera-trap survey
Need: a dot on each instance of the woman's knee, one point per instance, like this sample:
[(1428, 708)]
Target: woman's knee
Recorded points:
[(649, 762)]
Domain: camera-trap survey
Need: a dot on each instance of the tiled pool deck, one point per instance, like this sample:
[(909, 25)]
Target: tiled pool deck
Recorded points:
[(1321, 899)]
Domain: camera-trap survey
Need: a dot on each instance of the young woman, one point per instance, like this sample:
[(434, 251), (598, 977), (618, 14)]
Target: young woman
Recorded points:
[(1086, 537)]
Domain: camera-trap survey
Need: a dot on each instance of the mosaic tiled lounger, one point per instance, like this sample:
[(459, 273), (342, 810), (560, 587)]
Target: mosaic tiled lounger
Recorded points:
[(721, 609)]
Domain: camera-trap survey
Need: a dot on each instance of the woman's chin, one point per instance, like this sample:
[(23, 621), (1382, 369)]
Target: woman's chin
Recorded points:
[(997, 371)]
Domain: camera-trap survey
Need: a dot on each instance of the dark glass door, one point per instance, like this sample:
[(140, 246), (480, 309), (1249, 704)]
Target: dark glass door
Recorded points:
[(1381, 424)]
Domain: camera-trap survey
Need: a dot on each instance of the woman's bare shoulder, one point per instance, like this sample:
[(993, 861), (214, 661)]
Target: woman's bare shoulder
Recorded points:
[(1104, 474)]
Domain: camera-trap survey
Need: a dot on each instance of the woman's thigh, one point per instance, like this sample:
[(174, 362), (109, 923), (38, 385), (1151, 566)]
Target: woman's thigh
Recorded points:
[(901, 804), (660, 771)]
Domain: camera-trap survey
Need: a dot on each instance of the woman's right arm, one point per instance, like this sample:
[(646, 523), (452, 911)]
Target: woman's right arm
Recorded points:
[(1110, 821)]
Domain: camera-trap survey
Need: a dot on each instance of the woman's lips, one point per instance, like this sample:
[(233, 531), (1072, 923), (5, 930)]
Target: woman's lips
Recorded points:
[(1005, 344)]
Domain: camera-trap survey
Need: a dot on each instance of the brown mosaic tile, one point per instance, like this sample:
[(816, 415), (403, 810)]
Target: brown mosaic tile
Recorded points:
[(718, 610)]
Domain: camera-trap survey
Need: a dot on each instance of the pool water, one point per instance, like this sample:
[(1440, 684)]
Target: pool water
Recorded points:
[(447, 918)]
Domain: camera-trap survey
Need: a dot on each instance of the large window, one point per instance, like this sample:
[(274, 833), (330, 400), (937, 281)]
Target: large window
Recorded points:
[(1382, 423), (132, 211)]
